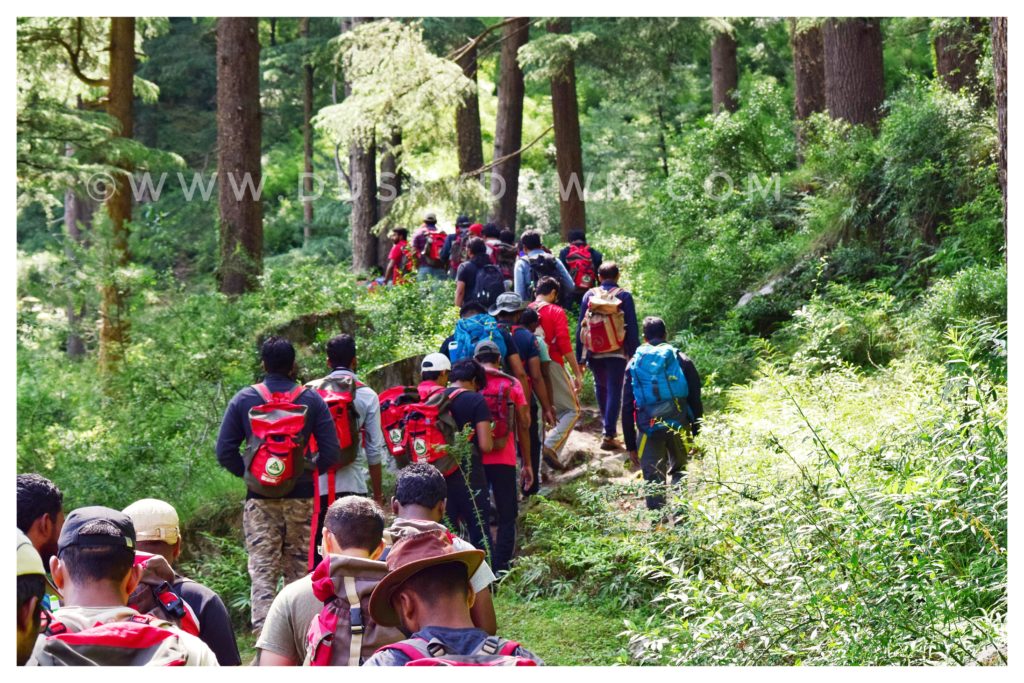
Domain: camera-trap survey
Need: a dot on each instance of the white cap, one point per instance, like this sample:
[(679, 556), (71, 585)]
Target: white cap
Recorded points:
[(154, 520), (436, 362)]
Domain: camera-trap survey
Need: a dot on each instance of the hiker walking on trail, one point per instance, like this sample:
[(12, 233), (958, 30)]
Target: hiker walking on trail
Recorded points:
[(299, 624), (607, 335), (476, 324), (582, 261), (478, 279), (29, 601), (564, 392), (535, 264), (434, 371), (355, 409), (666, 389), (400, 261), (95, 569), (427, 594), (279, 500), (419, 505), (524, 345), (540, 386), (157, 532), (454, 249), (510, 415), (427, 243)]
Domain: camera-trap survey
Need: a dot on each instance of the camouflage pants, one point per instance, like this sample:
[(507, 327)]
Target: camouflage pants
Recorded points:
[(277, 540)]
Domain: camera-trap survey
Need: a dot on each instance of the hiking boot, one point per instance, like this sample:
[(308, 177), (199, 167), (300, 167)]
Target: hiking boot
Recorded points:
[(551, 459), (610, 443)]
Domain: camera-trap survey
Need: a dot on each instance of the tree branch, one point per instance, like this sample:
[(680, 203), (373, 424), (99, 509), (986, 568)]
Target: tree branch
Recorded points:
[(458, 53), (501, 159)]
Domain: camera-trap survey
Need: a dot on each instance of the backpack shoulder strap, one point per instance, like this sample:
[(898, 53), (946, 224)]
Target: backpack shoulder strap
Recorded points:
[(355, 609), (413, 648), (295, 393), (494, 645), (262, 390)]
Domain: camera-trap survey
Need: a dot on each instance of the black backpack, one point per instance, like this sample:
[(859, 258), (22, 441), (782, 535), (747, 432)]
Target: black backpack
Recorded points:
[(489, 285), (541, 265)]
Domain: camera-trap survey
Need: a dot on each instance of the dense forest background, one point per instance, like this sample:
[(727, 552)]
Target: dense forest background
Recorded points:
[(815, 206)]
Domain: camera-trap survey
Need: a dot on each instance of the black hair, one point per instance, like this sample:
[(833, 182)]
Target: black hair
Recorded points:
[(531, 240), (529, 318), (431, 375), (403, 233), (420, 484), (356, 522), (577, 236), (548, 284), (439, 583), (654, 328), (37, 496), (468, 370), (471, 308), (492, 230), (476, 246), (341, 351), (32, 586), (488, 358), (278, 355), (609, 270), (99, 563), (507, 236)]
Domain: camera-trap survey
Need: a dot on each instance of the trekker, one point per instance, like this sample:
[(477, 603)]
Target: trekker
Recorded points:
[(507, 311), (427, 243), (365, 449), (352, 542), (503, 255), (476, 324), (583, 263), (95, 571), (666, 388), (434, 371), (29, 602), (454, 244), (535, 264), (564, 393), (40, 513), (478, 279), (540, 385), (419, 505), (279, 498), (508, 237), (400, 262), (510, 415), (606, 338), (427, 595), (158, 532)]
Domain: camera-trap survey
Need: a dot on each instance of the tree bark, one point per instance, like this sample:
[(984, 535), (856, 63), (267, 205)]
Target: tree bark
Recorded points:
[(467, 120), (957, 53), (78, 213), (362, 174), (999, 68), (854, 74), (724, 73), (120, 106), (508, 129), (390, 187), (808, 75), (568, 148), (239, 135), (307, 142)]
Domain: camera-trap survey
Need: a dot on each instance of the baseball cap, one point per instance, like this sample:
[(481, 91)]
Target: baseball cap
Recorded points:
[(29, 561), (71, 534), (435, 362), (154, 520), (485, 347), (476, 229), (431, 217), (462, 221), (509, 302)]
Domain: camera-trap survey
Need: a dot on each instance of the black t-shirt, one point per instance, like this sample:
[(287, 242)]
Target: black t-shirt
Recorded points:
[(525, 343), (468, 270), (214, 622), (469, 407)]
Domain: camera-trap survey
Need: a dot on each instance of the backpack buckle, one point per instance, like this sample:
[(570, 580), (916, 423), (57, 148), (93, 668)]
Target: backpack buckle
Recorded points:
[(436, 648), (356, 618)]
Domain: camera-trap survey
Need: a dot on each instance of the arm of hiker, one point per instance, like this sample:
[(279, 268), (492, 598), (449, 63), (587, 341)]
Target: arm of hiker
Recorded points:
[(632, 327), (482, 612), (484, 436), (268, 658), (231, 436), (520, 274), (629, 418), (215, 623), (374, 444), (693, 386), (460, 293), (565, 348), (523, 434), (325, 432), (579, 325), (515, 363)]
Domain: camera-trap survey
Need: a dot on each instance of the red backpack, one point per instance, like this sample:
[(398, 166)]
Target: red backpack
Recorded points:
[(141, 640), (460, 249), (393, 405), (275, 457), (433, 242), (425, 430), (153, 595), (494, 651), (504, 256), (580, 265), (498, 394)]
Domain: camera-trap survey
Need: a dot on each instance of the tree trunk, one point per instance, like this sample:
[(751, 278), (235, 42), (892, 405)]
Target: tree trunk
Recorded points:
[(808, 75), (307, 142), (390, 187), (854, 74), (362, 174), (239, 135), (78, 213), (999, 67), (508, 129), (467, 120), (724, 73), (120, 103), (957, 53), (568, 149)]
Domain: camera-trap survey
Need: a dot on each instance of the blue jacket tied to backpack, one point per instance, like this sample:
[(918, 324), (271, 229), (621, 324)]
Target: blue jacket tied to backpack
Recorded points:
[(659, 388), (473, 330)]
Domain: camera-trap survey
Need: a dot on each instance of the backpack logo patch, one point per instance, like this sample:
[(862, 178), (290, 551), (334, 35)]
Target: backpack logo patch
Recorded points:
[(419, 447), (275, 467), (395, 435)]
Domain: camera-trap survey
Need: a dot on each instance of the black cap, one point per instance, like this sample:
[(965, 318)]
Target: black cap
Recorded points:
[(70, 535), (463, 221)]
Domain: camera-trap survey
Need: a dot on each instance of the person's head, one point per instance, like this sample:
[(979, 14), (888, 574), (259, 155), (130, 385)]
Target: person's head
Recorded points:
[(471, 308), (435, 368), (420, 493), (157, 530), (462, 221), (531, 240), (477, 247), (507, 236), (40, 513), (94, 565), (278, 356), (477, 229), (487, 353), (354, 526), (492, 231), (468, 373), (430, 218), (427, 584), (399, 235), (654, 329), (507, 306), (609, 270), (31, 587), (548, 289), (529, 319), (341, 352), (577, 236)]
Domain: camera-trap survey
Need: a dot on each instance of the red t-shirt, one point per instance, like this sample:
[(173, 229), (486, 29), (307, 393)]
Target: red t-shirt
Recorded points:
[(507, 454), (556, 330), (395, 255)]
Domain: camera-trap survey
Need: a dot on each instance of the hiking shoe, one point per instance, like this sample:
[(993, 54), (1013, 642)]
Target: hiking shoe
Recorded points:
[(610, 443), (551, 459)]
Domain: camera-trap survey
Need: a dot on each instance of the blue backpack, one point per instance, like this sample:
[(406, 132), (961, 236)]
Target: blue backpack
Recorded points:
[(471, 331), (659, 386)]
